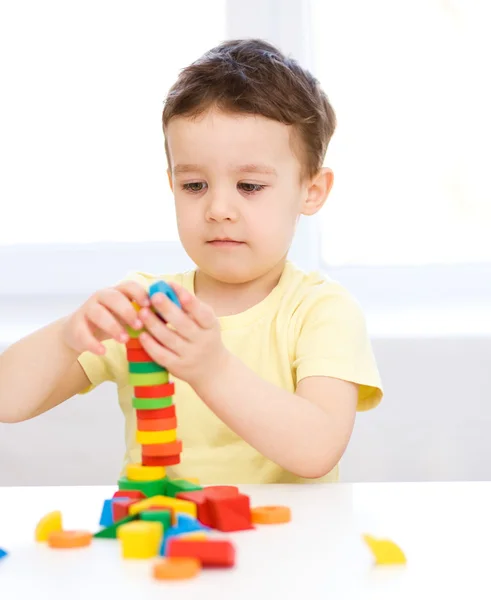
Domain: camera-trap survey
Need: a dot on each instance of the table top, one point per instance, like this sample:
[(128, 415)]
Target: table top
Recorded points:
[(443, 528)]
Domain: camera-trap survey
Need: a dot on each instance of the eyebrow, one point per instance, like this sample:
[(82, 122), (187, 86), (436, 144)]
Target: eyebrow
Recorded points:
[(248, 168)]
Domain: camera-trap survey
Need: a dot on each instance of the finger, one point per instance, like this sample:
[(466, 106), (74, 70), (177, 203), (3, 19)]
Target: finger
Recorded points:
[(161, 332), (201, 313), (102, 318), (134, 291), (174, 316), (119, 304), (159, 353), (87, 340)]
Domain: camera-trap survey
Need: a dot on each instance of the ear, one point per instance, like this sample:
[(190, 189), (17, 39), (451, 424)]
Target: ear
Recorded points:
[(317, 191), (169, 175)]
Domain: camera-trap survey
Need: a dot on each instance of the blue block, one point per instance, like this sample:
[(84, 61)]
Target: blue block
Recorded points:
[(164, 288), (185, 524), (3, 553), (107, 514)]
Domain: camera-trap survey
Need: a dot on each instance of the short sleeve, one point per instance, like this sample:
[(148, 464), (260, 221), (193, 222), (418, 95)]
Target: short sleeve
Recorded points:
[(333, 341), (110, 366)]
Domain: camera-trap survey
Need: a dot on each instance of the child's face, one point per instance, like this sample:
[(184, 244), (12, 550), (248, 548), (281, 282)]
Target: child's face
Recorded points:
[(235, 177)]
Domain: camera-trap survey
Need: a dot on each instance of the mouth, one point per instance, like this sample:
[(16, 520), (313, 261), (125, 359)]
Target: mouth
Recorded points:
[(224, 242)]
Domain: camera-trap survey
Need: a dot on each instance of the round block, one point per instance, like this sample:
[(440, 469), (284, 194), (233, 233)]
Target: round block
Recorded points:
[(48, 524), (133, 344), (152, 403), (161, 461), (149, 379), (269, 515), (156, 424), (164, 288), (133, 333), (136, 472), (159, 413), (156, 437), (69, 539), (140, 539), (145, 367), (176, 568), (170, 449), (154, 391), (137, 355)]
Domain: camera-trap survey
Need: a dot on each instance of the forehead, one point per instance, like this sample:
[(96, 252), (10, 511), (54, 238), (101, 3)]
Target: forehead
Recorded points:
[(220, 139)]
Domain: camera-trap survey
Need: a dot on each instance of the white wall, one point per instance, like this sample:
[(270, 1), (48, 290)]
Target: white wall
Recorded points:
[(433, 424)]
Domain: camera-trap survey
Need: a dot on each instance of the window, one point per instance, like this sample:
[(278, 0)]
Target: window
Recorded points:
[(409, 84), (82, 149)]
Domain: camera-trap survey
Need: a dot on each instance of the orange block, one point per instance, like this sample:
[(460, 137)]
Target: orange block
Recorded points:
[(176, 568), (69, 539), (156, 424), (270, 515)]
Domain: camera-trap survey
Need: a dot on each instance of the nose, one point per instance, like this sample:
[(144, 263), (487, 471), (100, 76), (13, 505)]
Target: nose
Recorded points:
[(220, 207)]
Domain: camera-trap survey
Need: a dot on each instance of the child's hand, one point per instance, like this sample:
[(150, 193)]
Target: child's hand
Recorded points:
[(190, 346), (104, 316)]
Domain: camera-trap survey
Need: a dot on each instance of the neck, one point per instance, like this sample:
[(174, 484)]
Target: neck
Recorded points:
[(233, 298)]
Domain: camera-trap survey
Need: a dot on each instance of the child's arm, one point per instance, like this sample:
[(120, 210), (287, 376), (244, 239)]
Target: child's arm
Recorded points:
[(41, 370)]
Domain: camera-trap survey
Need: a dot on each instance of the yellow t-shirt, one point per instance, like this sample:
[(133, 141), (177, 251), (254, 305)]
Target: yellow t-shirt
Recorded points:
[(308, 325)]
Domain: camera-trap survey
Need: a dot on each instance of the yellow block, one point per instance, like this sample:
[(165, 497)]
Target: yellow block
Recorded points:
[(140, 539), (385, 552), (136, 472), (192, 480), (48, 524), (175, 504), (193, 535), (156, 437)]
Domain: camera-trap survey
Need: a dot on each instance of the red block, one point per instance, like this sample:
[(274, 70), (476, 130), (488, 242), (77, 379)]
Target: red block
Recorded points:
[(221, 491), (156, 413), (134, 344), (133, 494), (170, 449), (199, 497), (161, 461), (121, 508), (154, 391), (137, 355), (229, 514), (156, 424), (211, 553)]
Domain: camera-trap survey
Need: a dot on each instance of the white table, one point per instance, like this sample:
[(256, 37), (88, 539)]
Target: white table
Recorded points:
[(444, 529)]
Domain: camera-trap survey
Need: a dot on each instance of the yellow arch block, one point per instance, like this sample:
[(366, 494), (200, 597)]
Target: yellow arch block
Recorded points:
[(175, 504), (48, 524), (156, 437), (385, 552), (136, 472), (140, 539)]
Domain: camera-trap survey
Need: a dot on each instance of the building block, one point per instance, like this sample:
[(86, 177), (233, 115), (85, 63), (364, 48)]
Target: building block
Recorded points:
[(140, 539), (145, 367), (164, 502), (156, 437), (271, 515), (170, 449), (164, 288), (175, 486), (131, 494), (154, 391), (176, 568), (149, 488), (134, 344), (199, 498), (185, 525), (221, 491), (144, 379), (133, 333), (120, 508), (159, 413), (164, 516), (211, 553), (137, 355), (69, 539), (156, 424), (106, 514), (135, 472), (161, 461), (3, 553), (49, 523), (111, 531), (230, 514), (152, 403), (385, 552)]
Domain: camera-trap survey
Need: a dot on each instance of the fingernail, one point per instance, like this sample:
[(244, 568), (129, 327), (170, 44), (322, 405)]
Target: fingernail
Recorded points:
[(138, 324), (158, 298)]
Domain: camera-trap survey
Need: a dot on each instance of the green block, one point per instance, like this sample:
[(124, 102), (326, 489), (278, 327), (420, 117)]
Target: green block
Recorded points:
[(110, 532), (151, 403), (133, 333), (142, 379), (162, 516), (175, 486), (145, 367), (157, 487)]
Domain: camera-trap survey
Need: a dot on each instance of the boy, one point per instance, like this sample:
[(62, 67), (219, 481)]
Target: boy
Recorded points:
[(270, 364)]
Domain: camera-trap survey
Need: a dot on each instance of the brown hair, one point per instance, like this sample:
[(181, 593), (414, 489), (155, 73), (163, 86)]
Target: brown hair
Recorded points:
[(252, 76)]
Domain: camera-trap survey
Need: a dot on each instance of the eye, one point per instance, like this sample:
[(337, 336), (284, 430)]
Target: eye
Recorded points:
[(195, 187), (251, 188)]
